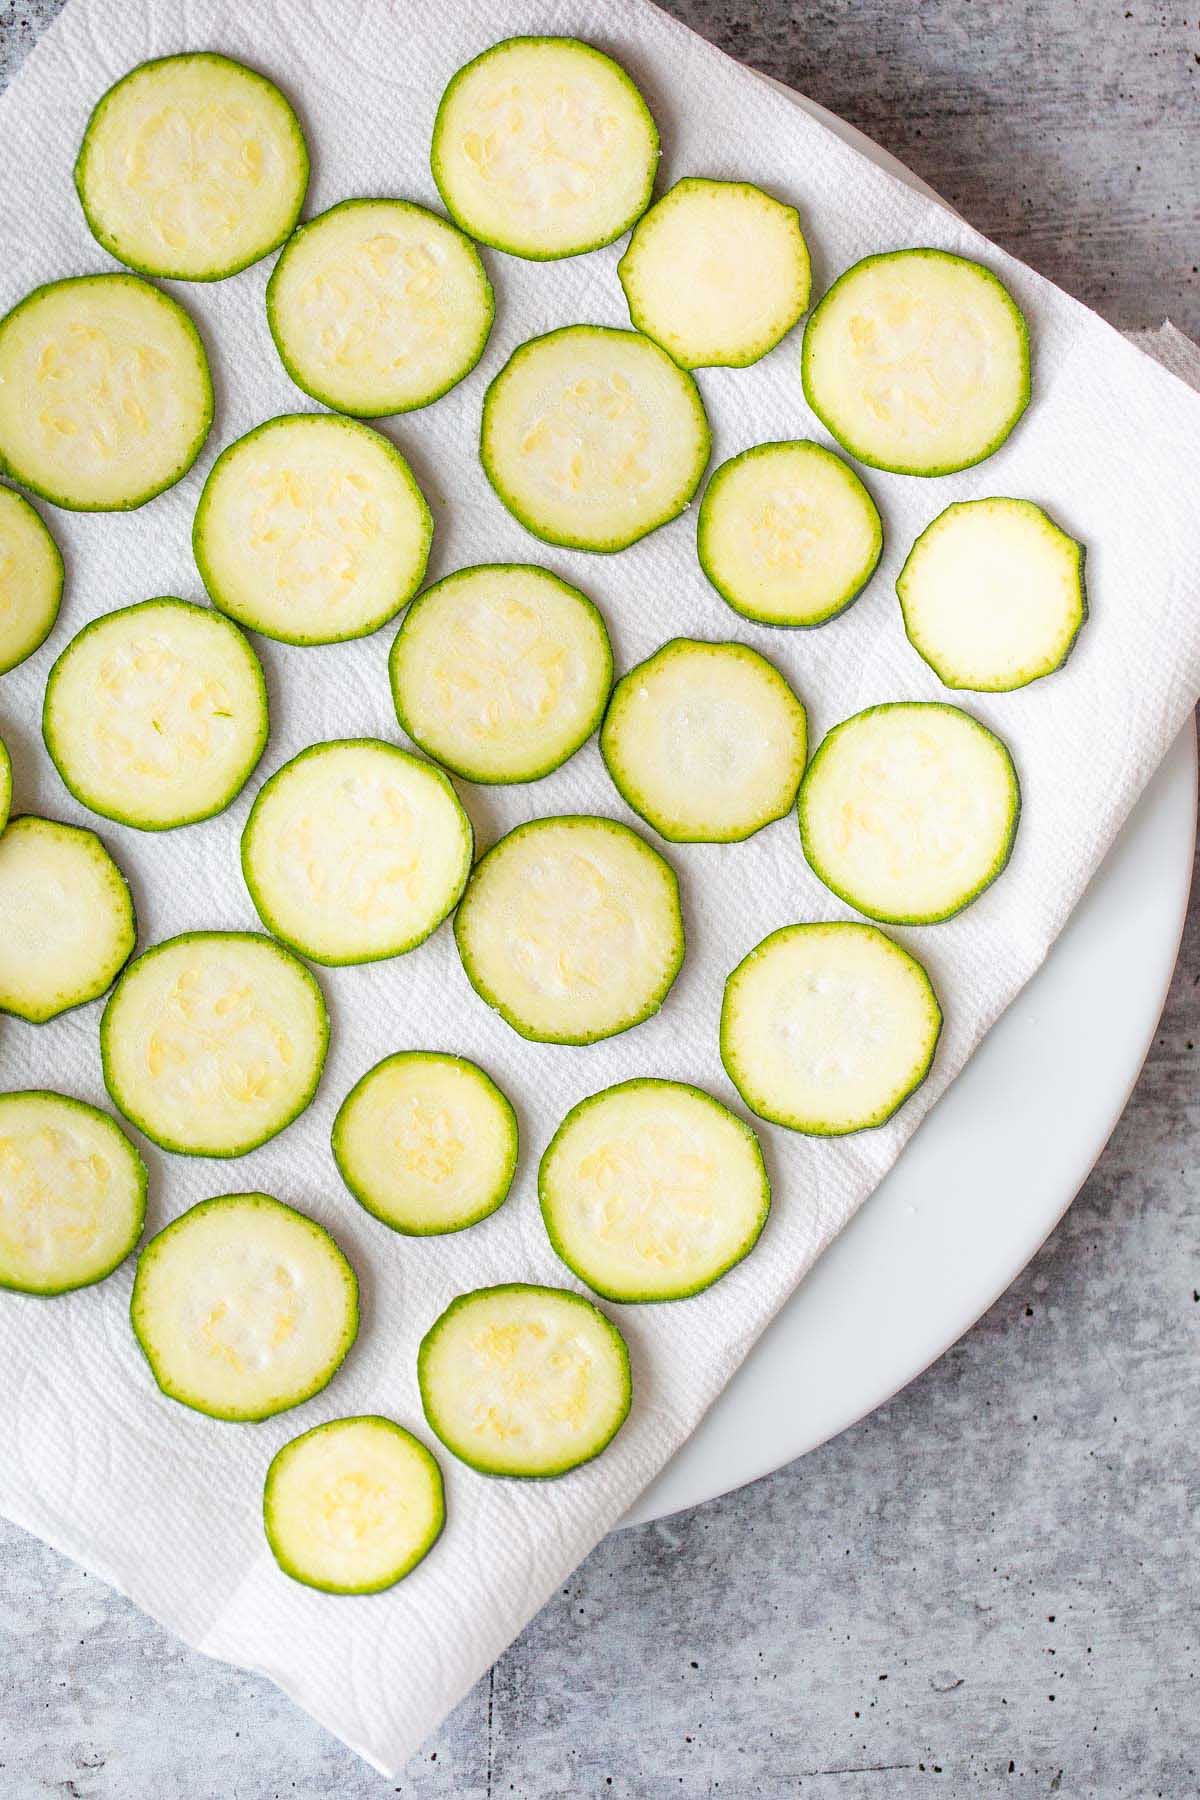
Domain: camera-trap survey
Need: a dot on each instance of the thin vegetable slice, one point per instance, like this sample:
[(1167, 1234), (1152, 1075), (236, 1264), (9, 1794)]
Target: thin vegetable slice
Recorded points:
[(5, 784), (31, 580), (68, 918)]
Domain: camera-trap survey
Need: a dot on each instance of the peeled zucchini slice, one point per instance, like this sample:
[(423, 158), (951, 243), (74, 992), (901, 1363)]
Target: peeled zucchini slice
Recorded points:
[(192, 167), (544, 147), (717, 272), (31, 580), (379, 306), (705, 741), (243, 1307), (155, 715), (828, 1028), (501, 672), (355, 851), (68, 923), (909, 810), (992, 595), (593, 437), (351, 1507), (426, 1142), (652, 1190), (105, 394), (213, 1041), (525, 1381), (72, 1193), (571, 929), (917, 361), (788, 534)]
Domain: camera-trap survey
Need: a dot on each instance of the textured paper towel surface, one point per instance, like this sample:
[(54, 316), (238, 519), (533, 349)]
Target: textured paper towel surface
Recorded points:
[(164, 1503)]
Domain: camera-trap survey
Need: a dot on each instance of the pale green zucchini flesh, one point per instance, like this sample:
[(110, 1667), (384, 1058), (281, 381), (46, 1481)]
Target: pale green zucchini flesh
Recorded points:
[(31, 580), (68, 918), (5, 784)]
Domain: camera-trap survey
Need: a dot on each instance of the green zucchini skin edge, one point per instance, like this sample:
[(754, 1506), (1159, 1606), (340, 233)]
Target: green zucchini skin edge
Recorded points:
[(58, 564), (6, 782), (124, 894)]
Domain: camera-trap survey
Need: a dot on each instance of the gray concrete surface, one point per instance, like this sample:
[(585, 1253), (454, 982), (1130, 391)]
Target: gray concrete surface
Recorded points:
[(991, 1585)]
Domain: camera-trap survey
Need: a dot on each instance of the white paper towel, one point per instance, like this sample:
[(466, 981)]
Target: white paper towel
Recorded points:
[(165, 1504)]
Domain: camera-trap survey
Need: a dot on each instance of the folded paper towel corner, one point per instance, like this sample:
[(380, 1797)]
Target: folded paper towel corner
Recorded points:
[(165, 1504)]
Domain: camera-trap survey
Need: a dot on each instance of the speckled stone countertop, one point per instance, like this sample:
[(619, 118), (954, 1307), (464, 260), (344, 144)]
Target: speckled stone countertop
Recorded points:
[(990, 1586)]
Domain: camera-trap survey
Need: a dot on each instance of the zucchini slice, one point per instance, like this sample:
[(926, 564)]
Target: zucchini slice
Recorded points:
[(917, 361), (31, 580), (68, 918), (5, 784), (426, 1142), (652, 1190), (571, 929), (155, 715), (992, 595), (72, 1193), (213, 1041), (828, 1028), (705, 741), (243, 1307), (909, 810), (379, 306), (544, 147), (788, 534), (105, 394), (717, 272), (593, 437), (524, 1381), (501, 672), (192, 167), (355, 851), (351, 1507)]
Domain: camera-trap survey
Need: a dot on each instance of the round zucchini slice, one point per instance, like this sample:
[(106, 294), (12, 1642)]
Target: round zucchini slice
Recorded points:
[(351, 1507), (909, 810), (426, 1142), (992, 595), (68, 918), (705, 741), (72, 1193), (828, 1028), (213, 1041), (524, 1381), (501, 672), (355, 851), (243, 1307), (192, 167), (788, 534), (31, 580), (593, 437), (105, 394), (544, 147), (155, 715), (717, 272), (571, 929), (379, 306), (5, 784), (917, 361)]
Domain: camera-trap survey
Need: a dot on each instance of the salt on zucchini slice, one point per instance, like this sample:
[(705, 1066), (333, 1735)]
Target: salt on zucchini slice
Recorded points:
[(992, 595), (652, 1190), (68, 923), (543, 147), (706, 741), (379, 306), (593, 437), (355, 851), (213, 1041), (156, 714), (717, 272), (828, 1028), (909, 810), (426, 1142), (524, 1381), (243, 1307), (788, 534), (570, 928), (917, 361), (353, 1506), (501, 671), (72, 1193), (31, 580), (105, 394), (192, 167)]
